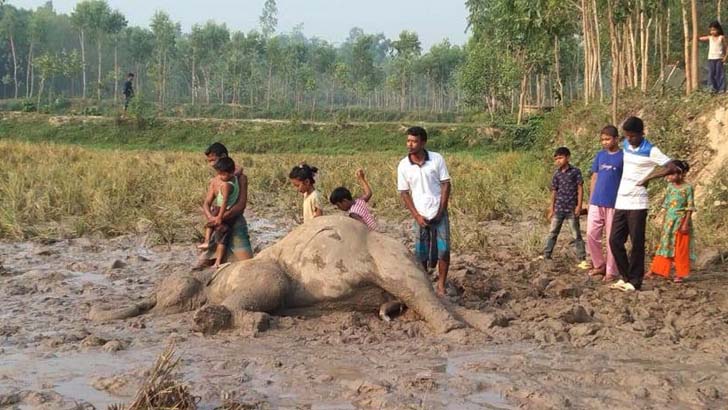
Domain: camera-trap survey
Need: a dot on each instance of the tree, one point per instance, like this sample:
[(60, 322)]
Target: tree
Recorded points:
[(9, 26), (38, 28), (115, 25), (269, 19), (165, 34), (407, 48)]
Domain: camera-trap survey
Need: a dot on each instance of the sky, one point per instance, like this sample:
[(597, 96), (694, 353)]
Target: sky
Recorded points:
[(331, 20)]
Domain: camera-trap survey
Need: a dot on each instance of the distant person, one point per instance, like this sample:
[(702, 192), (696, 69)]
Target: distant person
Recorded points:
[(630, 214), (717, 55), (221, 197), (567, 194), (424, 185), (128, 90), (676, 240), (356, 208), (606, 172), (238, 244), (303, 178)]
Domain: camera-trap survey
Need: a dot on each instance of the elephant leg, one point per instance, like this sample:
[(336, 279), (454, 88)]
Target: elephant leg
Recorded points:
[(406, 281)]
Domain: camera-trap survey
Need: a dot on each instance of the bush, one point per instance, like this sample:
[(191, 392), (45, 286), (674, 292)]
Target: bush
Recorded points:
[(28, 106)]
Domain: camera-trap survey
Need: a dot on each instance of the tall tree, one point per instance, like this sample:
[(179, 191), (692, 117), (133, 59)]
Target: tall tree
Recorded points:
[(406, 49), (9, 26), (115, 25), (165, 34)]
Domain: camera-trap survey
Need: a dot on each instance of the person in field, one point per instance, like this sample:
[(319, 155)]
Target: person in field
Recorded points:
[(356, 208), (567, 193), (630, 214), (303, 179), (606, 172), (677, 247), (423, 182), (717, 56), (238, 245), (221, 196)]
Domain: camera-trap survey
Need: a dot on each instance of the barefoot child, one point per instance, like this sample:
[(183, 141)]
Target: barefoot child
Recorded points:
[(303, 178), (567, 192), (221, 196), (717, 56), (676, 241), (606, 174), (357, 209)]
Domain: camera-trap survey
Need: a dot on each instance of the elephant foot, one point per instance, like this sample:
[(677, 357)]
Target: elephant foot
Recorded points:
[(211, 319)]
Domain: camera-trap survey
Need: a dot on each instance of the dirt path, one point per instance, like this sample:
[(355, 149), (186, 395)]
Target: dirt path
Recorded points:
[(557, 340)]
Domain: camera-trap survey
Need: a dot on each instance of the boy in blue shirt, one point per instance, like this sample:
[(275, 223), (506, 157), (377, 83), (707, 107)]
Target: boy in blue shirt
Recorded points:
[(606, 172)]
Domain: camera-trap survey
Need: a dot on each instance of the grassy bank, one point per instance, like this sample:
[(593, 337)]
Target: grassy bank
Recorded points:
[(253, 136)]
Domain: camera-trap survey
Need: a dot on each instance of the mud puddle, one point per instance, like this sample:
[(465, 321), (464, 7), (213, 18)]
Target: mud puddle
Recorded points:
[(556, 340)]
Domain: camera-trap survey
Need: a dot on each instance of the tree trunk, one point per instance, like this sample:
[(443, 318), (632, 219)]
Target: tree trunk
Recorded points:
[(557, 69), (98, 85), (695, 73), (116, 72), (522, 96), (586, 32), (268, 90), (40, 91), (83, 61), (614, 43), (28, 88), (598, 51), (686, 49), (192, 87), (15, 65)]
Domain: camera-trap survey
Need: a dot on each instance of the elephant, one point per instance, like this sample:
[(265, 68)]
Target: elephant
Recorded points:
[(327, 260)]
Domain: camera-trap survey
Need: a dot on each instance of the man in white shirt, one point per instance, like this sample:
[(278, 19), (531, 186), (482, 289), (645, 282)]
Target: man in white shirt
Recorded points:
[(630, 215), (424, 185)]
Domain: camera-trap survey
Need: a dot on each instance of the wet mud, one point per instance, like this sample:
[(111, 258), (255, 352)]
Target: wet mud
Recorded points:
[(551, 338)]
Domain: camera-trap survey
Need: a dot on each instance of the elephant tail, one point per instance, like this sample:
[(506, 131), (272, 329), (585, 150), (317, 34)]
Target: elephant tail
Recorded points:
[(105, 314)]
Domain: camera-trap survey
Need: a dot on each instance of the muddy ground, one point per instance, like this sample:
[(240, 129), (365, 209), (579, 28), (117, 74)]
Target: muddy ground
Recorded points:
[(557, 338)]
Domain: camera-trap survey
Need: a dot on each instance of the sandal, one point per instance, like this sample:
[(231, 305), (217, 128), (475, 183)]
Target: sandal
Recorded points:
[(678, 280), (609, 278)]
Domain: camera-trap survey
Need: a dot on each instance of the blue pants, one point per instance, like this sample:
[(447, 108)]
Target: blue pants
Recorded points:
[(432, 243), (556, 222), (716, 75)]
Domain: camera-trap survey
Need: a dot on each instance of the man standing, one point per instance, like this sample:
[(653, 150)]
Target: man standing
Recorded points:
[(424, 185), (630, 215), (128, 90)]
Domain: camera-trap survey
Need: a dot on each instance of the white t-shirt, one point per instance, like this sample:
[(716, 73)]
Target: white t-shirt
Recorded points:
[(715, 48), (639, 162), (423, 182)]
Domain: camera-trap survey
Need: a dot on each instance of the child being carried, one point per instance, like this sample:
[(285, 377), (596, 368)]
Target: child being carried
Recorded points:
[(221, 196)]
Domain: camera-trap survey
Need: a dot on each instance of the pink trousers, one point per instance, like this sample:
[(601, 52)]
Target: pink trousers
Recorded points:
[(599, 221)]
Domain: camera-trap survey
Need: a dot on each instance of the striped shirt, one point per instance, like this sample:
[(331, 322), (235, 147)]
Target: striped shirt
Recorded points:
[(639, 162), (360, 209)]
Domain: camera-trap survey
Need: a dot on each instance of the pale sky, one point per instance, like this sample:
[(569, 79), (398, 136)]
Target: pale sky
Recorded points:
[(330, 20)]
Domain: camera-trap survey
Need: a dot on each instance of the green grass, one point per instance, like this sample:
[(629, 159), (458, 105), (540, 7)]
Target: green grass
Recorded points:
[(246, 136)]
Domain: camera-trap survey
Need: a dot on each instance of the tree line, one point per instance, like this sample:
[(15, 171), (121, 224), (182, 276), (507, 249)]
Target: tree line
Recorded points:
[(521, 53)]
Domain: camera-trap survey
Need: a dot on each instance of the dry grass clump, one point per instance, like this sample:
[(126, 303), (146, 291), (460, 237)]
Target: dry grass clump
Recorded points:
[(162, 390)]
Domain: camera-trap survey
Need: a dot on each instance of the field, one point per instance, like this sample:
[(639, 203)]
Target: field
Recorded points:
[(96, 211)]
